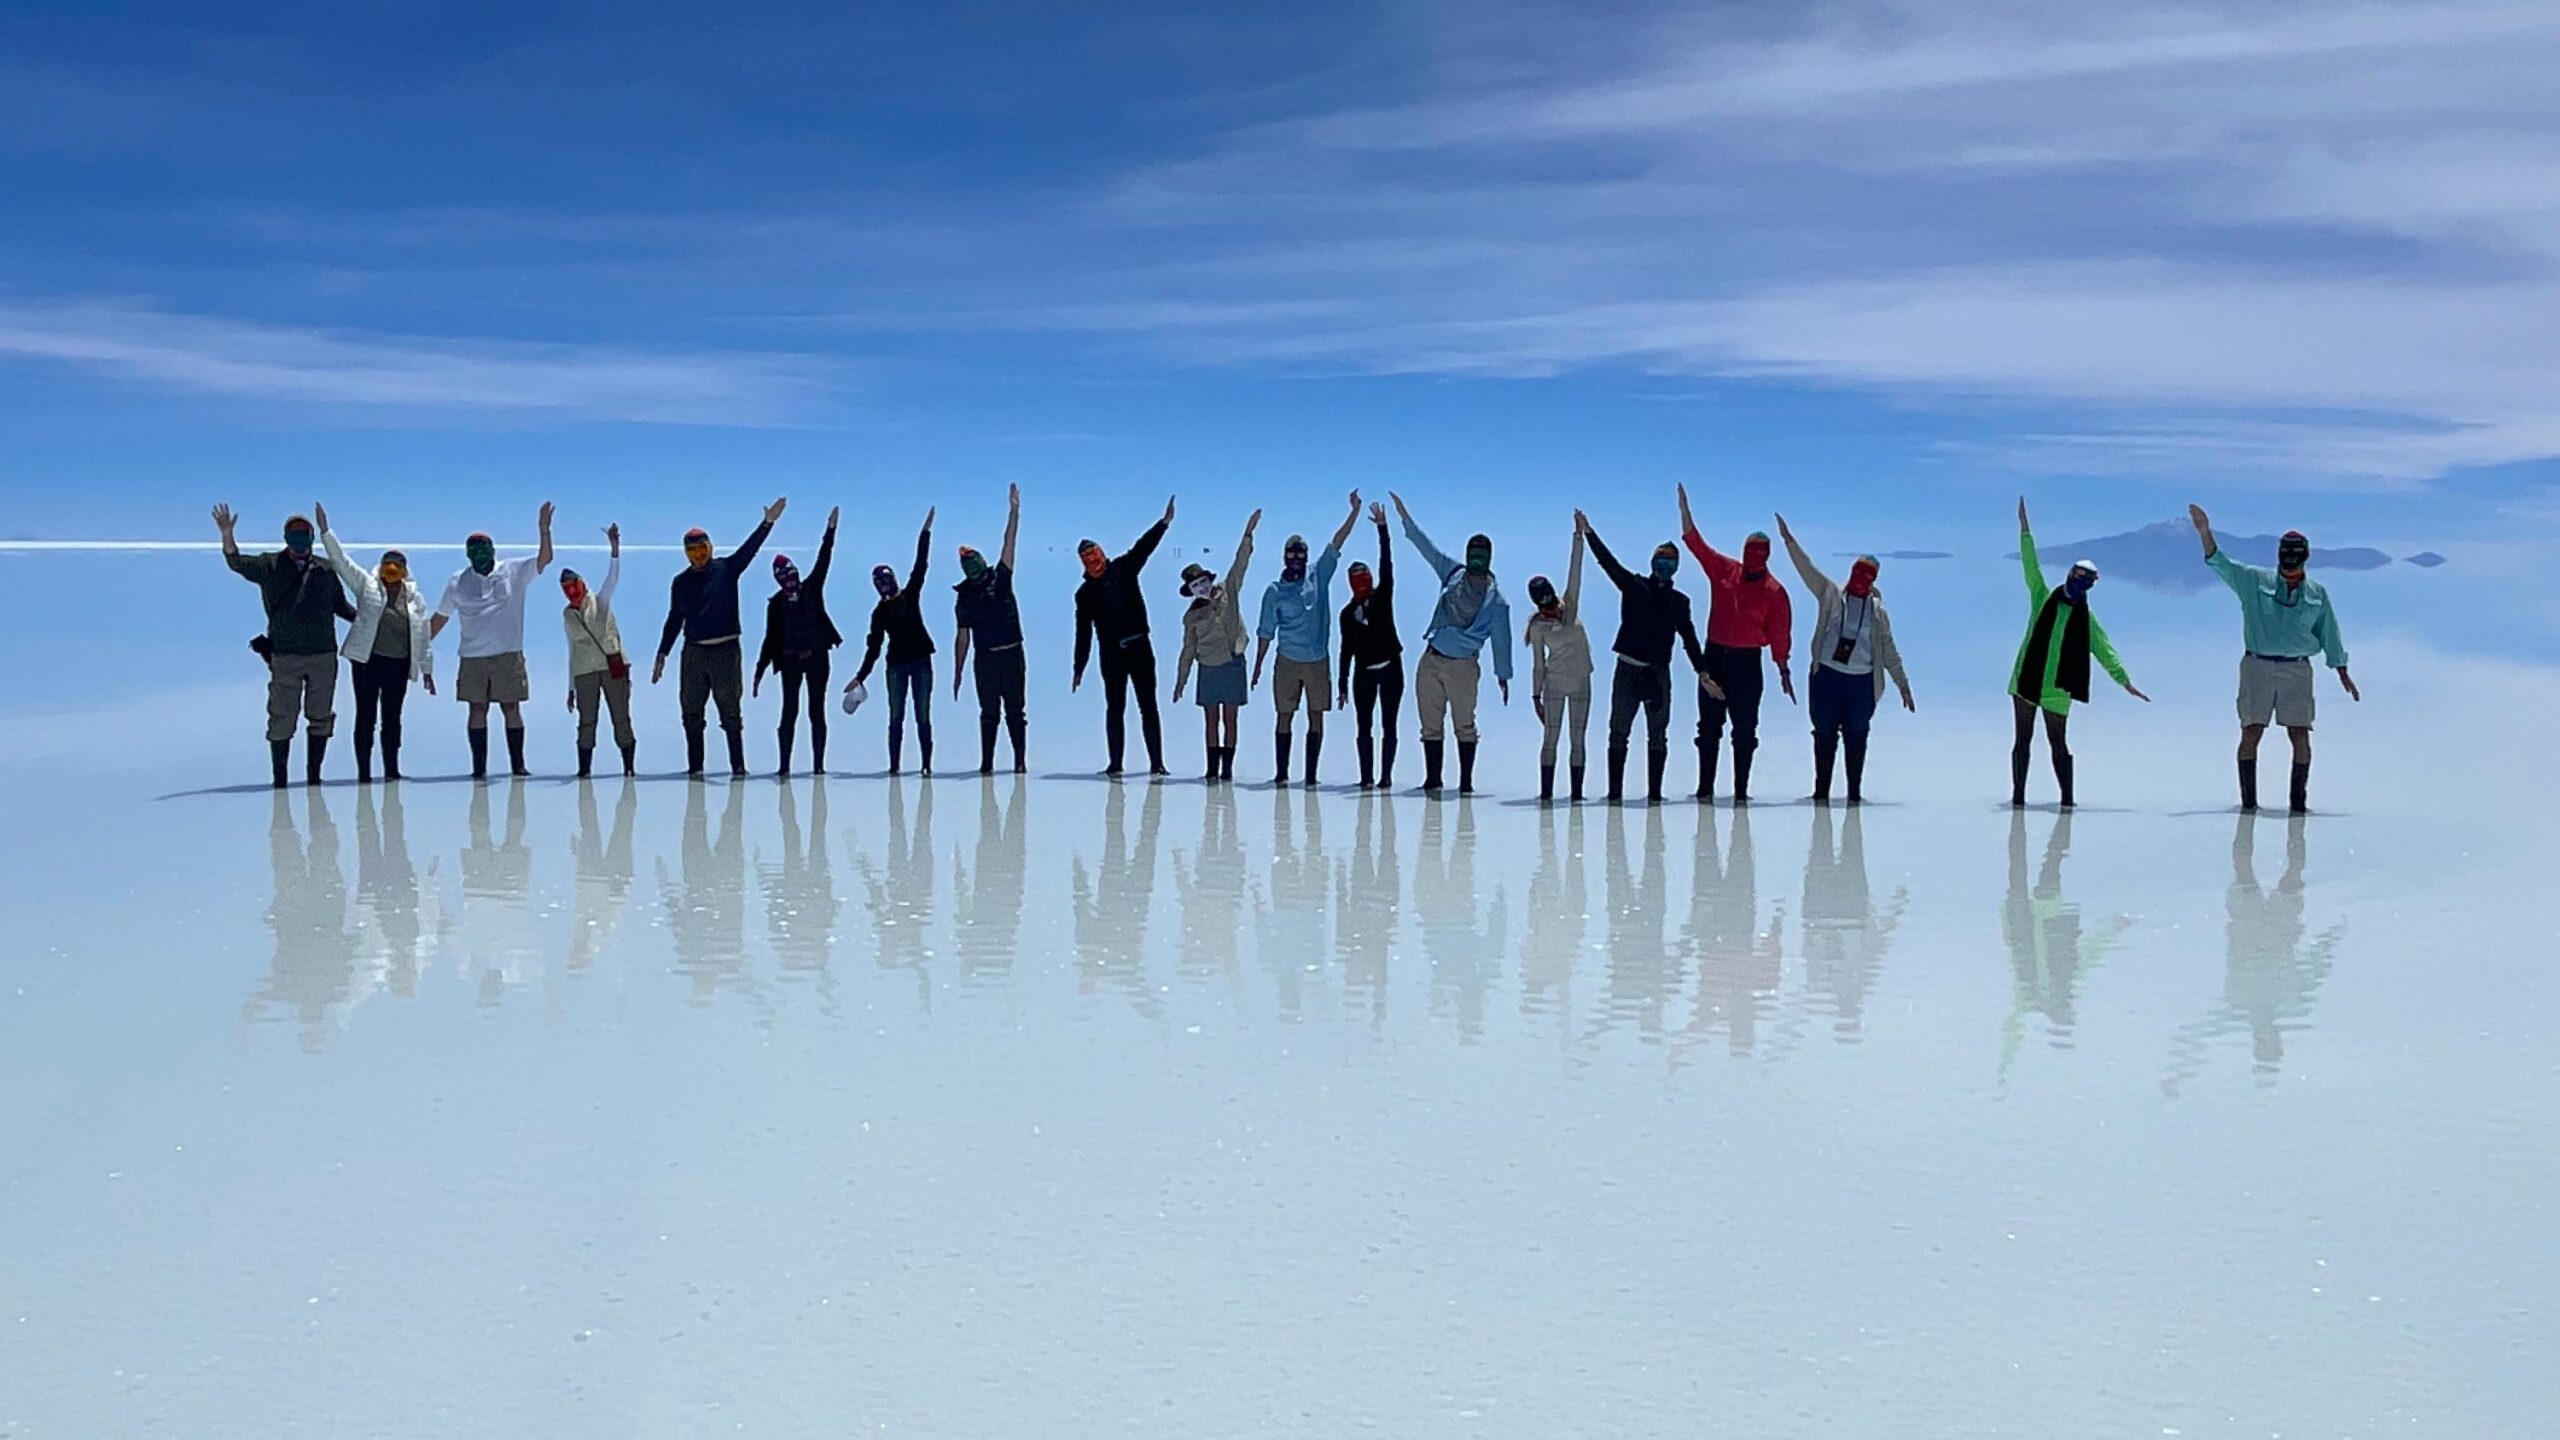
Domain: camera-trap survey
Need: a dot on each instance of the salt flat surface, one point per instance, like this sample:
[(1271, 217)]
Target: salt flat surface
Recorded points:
[(999, 1107)]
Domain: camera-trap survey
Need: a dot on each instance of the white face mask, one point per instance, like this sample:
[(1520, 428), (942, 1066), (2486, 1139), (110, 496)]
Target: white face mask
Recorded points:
[(1199, 589)]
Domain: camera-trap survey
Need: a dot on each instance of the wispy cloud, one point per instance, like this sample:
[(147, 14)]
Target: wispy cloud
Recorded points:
[(229, 357)]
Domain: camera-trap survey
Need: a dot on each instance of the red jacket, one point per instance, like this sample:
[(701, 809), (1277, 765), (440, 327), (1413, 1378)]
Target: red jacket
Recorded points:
[(1745, 615)]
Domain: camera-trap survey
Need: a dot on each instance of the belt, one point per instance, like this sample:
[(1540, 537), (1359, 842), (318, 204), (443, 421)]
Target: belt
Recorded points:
[(994, 649), (1631, 660), (1138, 638), (2282, 659)]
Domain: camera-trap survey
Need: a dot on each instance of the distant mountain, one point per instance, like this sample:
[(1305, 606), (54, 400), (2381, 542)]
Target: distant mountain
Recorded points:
[(2166, 556)]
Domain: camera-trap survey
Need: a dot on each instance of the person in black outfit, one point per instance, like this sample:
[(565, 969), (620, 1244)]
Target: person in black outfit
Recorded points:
[(899, 620), (1651, 614), (1371, 670), (797, 636), (702, 606), (1109, 605), (984, 609), (304, 602)]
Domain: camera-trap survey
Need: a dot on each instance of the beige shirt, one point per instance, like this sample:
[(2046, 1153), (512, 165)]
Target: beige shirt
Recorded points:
[(591, 627), (1215, 633), (1559, 648)]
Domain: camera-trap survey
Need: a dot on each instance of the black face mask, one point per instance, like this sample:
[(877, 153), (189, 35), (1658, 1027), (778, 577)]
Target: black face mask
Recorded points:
[(2292, 553)]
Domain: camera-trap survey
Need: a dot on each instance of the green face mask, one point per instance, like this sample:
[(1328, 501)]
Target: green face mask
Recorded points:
[(483, 555)]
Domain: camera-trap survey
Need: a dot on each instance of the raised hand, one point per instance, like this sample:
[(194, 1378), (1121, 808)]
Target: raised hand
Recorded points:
[(1783, 532), (1377, 513), (224, 519), (1355, 502), (320, 516), (542, 517), (613, 537), (1168, 509), (1252, 521), (2022, 514), (1581, 523), (773, 512), (1401, 513), (929, 512), (1013, 497), (834, 512), (2197, 518)]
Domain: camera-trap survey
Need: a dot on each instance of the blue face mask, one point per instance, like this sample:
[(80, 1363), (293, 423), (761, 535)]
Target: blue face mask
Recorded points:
[(2076, 584), (1665, 566), (298, 540)]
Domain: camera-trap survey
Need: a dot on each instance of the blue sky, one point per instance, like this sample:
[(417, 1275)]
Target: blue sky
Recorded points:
[(436, 261)]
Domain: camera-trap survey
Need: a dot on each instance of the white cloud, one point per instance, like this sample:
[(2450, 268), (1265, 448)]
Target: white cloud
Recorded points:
[(268, 362)]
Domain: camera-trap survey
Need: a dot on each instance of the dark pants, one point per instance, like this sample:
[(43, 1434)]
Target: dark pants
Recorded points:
[(708, 674), (1645, 686), (2057, 740), (806, 671), (1379, 691), (1843, 705), (1000, 690), (1124, 667), (382, 688), (1738, 671), (912, 681)]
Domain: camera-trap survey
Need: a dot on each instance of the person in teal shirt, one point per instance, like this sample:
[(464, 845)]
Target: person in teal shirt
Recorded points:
[(2052, 668), (1297, 611), (2285, 618)]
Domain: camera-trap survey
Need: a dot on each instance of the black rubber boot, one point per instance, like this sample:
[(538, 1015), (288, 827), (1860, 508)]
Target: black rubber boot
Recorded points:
[(924, 749), (898, 747), (390, 759), (1825, 747), (737, 752), (1280, 752), (1315, 747), (1368, 747), (2018, 760), (1387, 761), (515, 752), (279, 753), (986, 742), (1466, 767), (1216, 765), (586, 761), (818, 750), (1856, 745), (1431, 752), (693, 753), (1742, 752), (479, 753), (784, 768), (1547, 783), (1617, 774), (1654, 762), (1707, 770), (2249, 782), (2302, 789), (1021, 747), (631, 759), (364, 764), (1577, 784), (2062, 767)]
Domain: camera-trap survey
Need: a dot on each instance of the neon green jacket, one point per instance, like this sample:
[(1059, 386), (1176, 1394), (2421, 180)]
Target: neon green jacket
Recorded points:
[(2055, 698)]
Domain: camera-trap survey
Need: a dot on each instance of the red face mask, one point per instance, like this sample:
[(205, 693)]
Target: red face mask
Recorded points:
[(1862, 580), (1095, 562), (1362, 583), (576, 590), (1755, 556)]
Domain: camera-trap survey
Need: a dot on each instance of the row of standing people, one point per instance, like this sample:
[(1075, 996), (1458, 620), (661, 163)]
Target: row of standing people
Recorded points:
[(391, 634)]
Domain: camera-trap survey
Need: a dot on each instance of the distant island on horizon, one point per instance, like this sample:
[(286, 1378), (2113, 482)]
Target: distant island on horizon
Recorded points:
[(2165, 556)]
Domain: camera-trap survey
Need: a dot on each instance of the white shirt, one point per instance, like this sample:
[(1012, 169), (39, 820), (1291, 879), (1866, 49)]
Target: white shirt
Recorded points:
[(1852, 626), (489, 609)]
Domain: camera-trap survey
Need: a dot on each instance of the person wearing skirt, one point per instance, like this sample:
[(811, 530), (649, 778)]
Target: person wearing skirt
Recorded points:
[(1213, 641)]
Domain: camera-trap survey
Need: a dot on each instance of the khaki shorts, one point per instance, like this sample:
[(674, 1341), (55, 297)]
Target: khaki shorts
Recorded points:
[(492, 680), (1293, 681), (2277, 688)]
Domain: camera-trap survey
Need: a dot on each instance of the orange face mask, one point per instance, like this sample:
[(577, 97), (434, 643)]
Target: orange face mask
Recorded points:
[(392, 572)]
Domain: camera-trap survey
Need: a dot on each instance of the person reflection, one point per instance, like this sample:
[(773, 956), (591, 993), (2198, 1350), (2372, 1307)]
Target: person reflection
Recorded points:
[(2048, 954), (1739, 962), (312, 978), (899, 889), (393, 906), (605, 871), (1209, 883), (497, 875), (1112, 900), (707, 911), (1844, 935), (800, 905), (1463, 946), (1292, 940), (2271, 975), (1643, 969), (1557, 918), (1368, 898), (989, 902)]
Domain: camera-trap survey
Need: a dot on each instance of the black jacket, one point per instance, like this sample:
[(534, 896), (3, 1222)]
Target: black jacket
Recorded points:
[(899, 620), (800, 625), (703, 604), (1111, 604), (1651, 613), (1369, 626), (304, 600)]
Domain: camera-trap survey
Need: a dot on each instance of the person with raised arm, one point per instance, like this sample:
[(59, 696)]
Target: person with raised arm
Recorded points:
[(2285, 618), (702, 610), (1297, 612), (304, 600), (798, 633), (898, 621), (1652, 613), (1213, 638), (2052, 668), (1853, 652), (1372, 674), (1112, 611), (1559, 670), (386, 646), (486, 598), (1470, 615), (987, 617), (599, 672), (1747, 612)]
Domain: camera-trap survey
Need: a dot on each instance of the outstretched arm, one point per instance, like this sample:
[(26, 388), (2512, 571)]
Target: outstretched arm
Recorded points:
[(1718, 565), (2105, 652), (871, 646), (1145, 547), (1814, 580), (1573, 577), (542, 555), (1244, 557), (738, 558), (1432, 555), (826, 550), (2036, 588), (1333, 549), (1609, 565), (1012, 523), (924, 553), (349, 573), (1386, 549)]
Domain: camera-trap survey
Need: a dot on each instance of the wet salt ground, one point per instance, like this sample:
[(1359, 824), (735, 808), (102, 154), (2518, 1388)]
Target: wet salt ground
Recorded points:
[(942, 1108), (964, 1107)]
